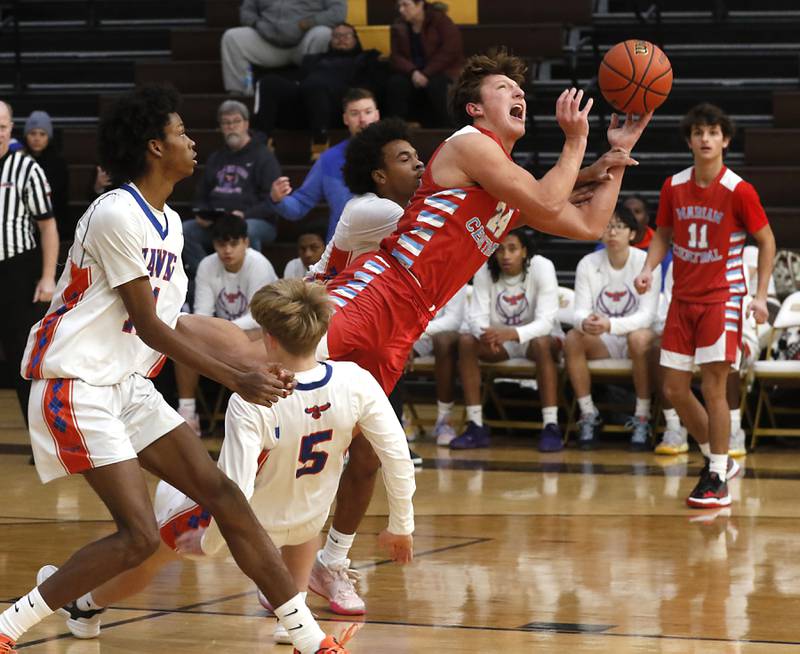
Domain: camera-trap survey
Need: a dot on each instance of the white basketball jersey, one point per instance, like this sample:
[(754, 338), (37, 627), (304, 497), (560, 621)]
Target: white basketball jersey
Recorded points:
[(87, 333), (288, 458), (365, 221)]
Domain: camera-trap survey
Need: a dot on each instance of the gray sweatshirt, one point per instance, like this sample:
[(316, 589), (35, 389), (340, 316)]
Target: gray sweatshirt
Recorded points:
[(277, 20)]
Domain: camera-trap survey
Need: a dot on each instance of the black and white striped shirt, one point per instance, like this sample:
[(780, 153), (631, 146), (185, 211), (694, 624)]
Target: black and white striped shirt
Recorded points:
[(24, 197)]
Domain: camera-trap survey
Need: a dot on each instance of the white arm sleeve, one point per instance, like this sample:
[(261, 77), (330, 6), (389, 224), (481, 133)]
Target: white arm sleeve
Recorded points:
[(545, 282), (450, 316), (478, 308), (249, 430), (382, 429), (645, 315), (583, 294)]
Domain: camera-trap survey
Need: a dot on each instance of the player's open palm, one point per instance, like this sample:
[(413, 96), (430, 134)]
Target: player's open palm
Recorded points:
[(399, 548), (643, 281), (627, 135), (573, 120)]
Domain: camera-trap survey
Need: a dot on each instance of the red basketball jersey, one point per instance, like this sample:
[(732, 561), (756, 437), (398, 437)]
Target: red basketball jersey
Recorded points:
[(710, 226), (447, 234)]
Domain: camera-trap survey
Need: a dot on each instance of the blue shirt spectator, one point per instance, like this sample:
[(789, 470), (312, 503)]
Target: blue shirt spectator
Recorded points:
[(325, 180)]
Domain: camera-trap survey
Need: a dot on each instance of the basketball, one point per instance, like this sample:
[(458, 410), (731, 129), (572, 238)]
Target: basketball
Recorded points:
[(635, 77)]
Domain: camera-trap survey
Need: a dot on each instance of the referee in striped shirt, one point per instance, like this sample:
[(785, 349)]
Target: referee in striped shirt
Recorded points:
[(27, 268)]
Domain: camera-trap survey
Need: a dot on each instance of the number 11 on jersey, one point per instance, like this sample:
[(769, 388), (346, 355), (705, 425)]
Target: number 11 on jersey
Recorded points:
[(698, 236)]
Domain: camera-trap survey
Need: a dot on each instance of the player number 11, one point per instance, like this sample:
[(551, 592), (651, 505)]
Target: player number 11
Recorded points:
[(694, 232)]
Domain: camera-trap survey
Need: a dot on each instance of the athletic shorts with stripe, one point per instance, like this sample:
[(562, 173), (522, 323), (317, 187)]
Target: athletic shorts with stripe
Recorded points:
[(75, 426), (379, 316), (696, 333)]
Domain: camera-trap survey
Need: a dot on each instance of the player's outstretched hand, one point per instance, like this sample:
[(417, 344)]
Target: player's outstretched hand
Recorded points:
[(573, 120), (598, 172), (627, 135), (643, 281), (758, 308), (189, 542), (400, 548), (260, 386), (281, 187)]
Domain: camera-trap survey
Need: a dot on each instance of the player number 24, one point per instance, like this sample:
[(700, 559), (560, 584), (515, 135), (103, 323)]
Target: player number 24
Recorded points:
[(698, 236), (312, 461)]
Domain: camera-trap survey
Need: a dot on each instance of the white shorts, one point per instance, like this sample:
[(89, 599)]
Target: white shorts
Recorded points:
[(75, 426), (176, 514), (616, 345), (516, 350), (424, 346)]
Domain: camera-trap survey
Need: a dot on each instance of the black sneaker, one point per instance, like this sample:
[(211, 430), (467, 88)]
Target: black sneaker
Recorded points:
[(416, 459), (710, 493)]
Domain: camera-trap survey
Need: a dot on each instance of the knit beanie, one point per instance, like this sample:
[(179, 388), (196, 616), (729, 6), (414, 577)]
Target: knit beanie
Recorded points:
[(39, 120)]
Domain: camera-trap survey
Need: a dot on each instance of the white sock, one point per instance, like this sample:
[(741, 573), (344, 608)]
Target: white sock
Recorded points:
[(550, 415), (443, 410), (26, 612), (719, 464), (673, 421), (736, 421), (337, 547), (705, 449), (475, 414), (586, 405), (642, 408), (87, 603), (298, 621), (187, 404)]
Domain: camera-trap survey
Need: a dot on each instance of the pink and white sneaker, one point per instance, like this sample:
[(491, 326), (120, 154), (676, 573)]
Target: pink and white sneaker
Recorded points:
[(337, 585)]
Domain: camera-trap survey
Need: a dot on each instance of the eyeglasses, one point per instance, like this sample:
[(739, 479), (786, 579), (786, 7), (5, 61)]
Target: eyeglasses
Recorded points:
[(616, 227), (233, 122)]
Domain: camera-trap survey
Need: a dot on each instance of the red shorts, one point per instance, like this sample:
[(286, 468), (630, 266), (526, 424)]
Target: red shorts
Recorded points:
[(379, 316), (696, 333)]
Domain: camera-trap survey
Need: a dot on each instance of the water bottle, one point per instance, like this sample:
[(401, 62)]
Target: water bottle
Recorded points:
[(248, 80)]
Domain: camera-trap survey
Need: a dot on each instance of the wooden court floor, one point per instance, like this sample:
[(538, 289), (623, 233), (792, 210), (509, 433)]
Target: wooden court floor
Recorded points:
[(516, 552)]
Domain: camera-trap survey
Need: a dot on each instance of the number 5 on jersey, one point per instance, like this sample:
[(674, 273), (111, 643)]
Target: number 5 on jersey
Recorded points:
[(312, 461)]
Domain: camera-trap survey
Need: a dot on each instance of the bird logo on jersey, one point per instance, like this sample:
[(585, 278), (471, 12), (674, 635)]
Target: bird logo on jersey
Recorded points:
[(230, 306), (316, 410), (512, 306), (617, 302)]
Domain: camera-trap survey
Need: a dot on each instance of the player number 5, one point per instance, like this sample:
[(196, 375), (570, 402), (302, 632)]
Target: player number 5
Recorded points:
[(311, 461)]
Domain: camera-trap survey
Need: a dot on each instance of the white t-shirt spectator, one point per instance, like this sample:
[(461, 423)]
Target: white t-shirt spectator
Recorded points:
[(601, 289), (295, 269), (227, 295), (529, 305)]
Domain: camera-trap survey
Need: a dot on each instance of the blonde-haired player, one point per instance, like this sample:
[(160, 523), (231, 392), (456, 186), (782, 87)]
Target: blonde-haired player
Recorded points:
[(287, 459)]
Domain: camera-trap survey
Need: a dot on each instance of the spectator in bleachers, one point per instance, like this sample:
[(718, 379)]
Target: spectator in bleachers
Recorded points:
[(426, 56), (276, 33), (39, 144), (29, 252), (612, 321), (512, 314), (325, 181), (637, 204), (310, 247), (314, 100), (224, 285), (237, 179), (441, 340), (102, 181)]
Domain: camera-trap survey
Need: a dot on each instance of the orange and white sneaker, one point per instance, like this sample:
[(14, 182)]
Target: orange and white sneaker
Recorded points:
[(7, 645), (332, 645)]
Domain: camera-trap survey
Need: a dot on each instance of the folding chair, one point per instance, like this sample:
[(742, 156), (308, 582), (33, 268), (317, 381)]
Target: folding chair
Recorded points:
[(770, 373)]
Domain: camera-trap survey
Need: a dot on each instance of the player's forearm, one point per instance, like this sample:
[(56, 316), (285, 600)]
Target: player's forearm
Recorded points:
[(598, 210), (400, 487), (658, 248), (766, 262), (557, 184), (49, 238)]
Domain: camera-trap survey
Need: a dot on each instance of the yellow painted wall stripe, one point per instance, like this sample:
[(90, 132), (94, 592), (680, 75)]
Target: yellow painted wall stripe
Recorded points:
[(357, 12), (375, 36), (463, 12)]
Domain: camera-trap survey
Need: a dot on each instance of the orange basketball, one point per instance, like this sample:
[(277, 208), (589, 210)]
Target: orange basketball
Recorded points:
[(635, 77)]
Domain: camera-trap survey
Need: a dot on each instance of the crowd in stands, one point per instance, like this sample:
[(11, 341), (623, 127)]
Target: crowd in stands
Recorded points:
[(316, 76)]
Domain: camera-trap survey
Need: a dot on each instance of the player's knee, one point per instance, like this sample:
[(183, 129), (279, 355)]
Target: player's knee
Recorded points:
[(573, 343), (640, 342), (467, 343), (139, 544), (444, 342), (540, 348)]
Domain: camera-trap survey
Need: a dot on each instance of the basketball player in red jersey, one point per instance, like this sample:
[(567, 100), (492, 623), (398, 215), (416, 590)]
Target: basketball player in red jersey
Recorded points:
[(471, 195), (706, 212)]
